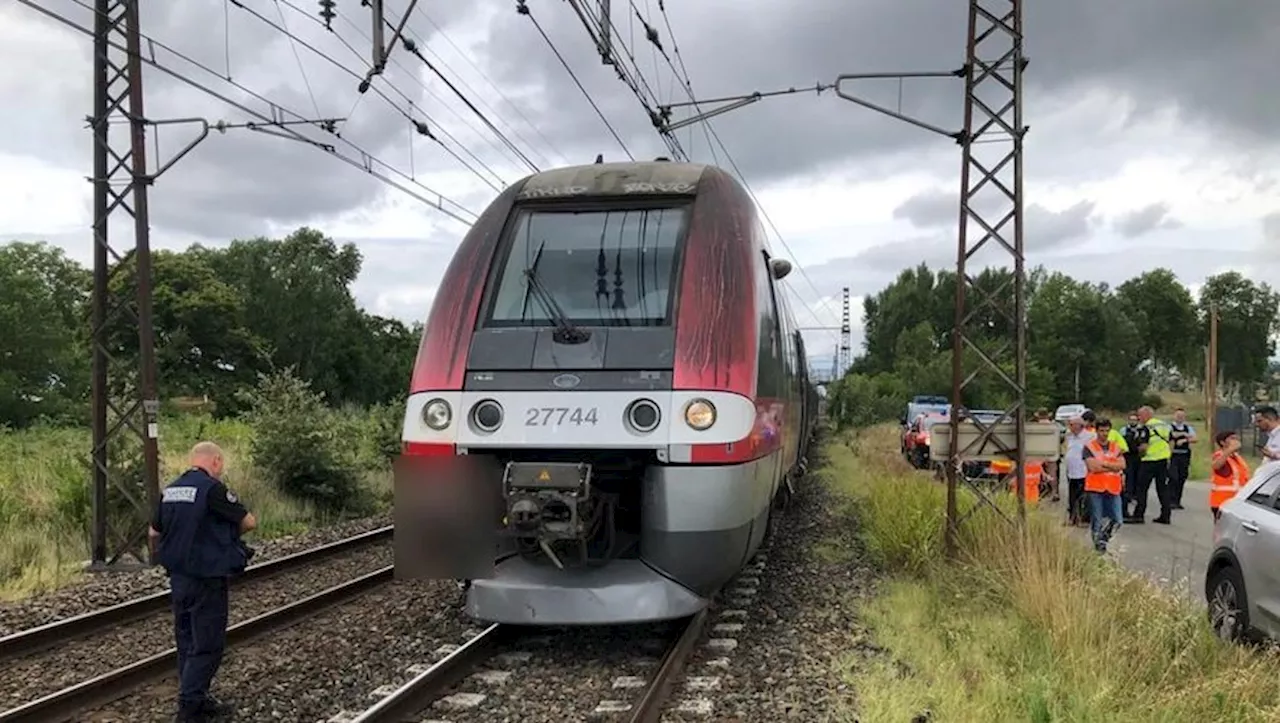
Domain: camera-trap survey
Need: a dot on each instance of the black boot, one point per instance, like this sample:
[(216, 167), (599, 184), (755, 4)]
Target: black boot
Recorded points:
[(214, 709)]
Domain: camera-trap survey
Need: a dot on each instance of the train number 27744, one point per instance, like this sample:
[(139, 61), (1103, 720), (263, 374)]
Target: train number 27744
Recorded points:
[(556, 416)]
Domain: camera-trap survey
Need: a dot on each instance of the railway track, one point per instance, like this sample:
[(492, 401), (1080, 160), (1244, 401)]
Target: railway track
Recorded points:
[(59, 632), (414, 700), (118, 682)]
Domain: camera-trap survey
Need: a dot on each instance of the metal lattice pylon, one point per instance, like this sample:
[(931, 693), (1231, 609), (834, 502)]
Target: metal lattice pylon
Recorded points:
[(990, 215), (120, 183), (846, 333)]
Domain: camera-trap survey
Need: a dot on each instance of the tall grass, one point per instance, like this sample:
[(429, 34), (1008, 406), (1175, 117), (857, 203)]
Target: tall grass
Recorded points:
[(45, 495), (1027, 626)]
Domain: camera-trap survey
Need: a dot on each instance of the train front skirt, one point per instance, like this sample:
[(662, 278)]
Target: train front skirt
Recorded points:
[(624, 591)]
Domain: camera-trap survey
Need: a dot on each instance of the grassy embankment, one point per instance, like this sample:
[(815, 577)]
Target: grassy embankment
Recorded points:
[(1034, 630), (45, 497)]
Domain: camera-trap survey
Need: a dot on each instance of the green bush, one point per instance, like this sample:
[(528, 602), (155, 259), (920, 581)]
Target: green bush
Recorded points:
[(304, 448)]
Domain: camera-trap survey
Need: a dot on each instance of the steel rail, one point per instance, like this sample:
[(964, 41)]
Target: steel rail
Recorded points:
[(121, 681), (656, 694), (31, 640), (416, 695), (408, 702)]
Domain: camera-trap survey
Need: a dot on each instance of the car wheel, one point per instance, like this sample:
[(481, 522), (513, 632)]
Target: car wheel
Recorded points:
[(1228, 609)]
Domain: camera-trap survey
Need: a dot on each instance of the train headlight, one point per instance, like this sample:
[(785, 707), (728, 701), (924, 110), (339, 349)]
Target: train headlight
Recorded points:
[(700, 414), (437, 414), (643, 415), (487, 415)]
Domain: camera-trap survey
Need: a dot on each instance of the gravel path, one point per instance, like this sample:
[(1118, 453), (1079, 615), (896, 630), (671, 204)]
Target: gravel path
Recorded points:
[(52, 670), (96, 591), (775, 648), (324, 664)]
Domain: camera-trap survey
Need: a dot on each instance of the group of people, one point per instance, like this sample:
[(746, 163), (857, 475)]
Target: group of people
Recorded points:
[(1110, 472)]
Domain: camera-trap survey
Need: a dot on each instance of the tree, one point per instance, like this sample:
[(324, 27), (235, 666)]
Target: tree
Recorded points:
[(1248, 321), (203, 344), (44, 361), (1162, 310), (1078, 331), (298, 300)]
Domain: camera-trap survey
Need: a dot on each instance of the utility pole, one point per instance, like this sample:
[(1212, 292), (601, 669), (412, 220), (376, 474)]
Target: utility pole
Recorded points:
[(1211, 383), (125, 493), (120, 182), (846, 333), (994, 64)]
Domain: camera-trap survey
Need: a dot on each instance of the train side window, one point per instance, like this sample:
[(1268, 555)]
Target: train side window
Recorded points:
[(776, 326)]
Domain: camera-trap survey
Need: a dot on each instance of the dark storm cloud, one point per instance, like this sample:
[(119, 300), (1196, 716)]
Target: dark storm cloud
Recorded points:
[(1145, 220), (1209, 63), (937, 208), (234, 183)]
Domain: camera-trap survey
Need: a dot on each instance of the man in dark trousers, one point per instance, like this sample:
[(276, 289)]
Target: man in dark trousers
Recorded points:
[(195, 535), (1181, 436), (1136, 438)]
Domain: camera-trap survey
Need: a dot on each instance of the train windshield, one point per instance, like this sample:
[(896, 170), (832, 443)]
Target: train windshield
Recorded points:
[(601, 267)]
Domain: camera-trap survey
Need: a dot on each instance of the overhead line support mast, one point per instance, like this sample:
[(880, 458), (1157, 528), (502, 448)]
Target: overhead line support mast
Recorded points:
[(120, 405), (992, 74)]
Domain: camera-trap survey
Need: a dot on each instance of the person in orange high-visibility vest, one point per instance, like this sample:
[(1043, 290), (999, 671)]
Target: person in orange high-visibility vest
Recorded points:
[(1035, 470), (1103, 484), (1229, 471)]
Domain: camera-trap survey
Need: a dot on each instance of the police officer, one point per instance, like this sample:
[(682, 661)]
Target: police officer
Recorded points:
[(1154, 467), (195, 535), (1136, 437), (1181, 436)]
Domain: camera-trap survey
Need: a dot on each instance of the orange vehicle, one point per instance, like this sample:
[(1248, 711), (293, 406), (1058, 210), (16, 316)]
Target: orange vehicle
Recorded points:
[(915, 439)]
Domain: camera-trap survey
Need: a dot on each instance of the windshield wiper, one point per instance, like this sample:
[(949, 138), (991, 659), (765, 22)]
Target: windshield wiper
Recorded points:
[(566, 332)]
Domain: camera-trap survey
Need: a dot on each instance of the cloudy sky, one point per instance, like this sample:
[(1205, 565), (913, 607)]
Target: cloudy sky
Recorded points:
[(1153, 136)]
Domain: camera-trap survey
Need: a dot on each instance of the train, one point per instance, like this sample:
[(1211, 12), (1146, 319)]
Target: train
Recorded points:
[(613, 340)]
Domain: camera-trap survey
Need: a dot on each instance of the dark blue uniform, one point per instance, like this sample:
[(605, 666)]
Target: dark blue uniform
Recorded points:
[(199, 524)]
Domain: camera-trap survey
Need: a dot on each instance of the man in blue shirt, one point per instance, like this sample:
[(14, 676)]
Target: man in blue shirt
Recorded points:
[(1181, 436), (195, 535)]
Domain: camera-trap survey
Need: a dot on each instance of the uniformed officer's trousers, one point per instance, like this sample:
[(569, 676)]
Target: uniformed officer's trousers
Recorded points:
[(200, 626)]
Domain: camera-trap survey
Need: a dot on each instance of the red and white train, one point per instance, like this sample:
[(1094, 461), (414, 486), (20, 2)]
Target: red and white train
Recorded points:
[(613, 340)]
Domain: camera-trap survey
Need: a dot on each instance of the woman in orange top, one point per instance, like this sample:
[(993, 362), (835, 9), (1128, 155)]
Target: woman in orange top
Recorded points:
[(1229, 471)]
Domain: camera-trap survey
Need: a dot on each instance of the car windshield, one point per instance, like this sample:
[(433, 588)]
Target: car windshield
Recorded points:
[(602, 267)]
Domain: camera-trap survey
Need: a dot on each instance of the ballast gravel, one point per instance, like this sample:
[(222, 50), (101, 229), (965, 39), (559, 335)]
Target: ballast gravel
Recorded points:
[(780, 653), (556, 675), (323, 664), (51, 670), (99, 590)]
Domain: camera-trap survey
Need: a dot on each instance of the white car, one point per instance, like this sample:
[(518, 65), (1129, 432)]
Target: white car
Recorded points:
[(1242, 582), (1067, 411)]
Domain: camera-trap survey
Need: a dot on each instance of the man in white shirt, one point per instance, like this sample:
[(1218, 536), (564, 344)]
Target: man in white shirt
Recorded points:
[(1076, 438), (1269, 422)]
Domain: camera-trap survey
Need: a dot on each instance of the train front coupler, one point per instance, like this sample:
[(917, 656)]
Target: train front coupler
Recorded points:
[(548, 503)]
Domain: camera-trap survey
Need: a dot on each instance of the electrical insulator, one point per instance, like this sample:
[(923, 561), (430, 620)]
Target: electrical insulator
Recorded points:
[(327, 13)]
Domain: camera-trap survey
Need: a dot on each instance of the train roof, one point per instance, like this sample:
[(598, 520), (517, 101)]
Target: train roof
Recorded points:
[(615, 179)]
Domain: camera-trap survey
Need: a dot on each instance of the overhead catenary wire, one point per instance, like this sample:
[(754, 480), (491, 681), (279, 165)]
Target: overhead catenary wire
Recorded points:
[(363, 59), (440, 202), (652, 35), (485, 77), (423, 128), (638, 84), (688, 82), (523, 9), (411, 47)]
